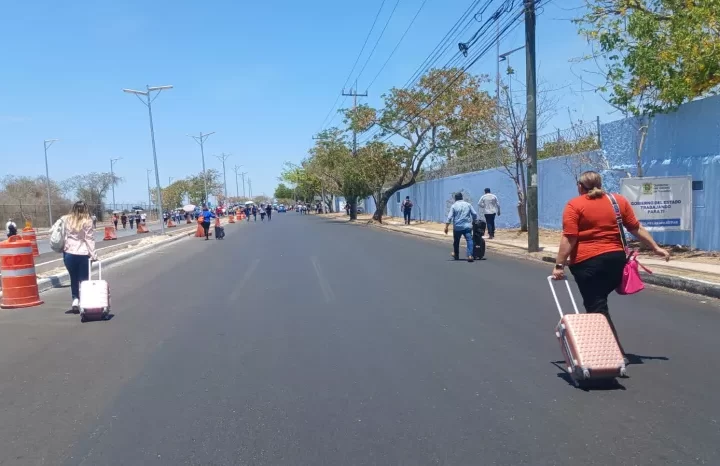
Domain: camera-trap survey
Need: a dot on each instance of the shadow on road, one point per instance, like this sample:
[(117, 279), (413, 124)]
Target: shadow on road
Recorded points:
[(634, 359), (588, 385)]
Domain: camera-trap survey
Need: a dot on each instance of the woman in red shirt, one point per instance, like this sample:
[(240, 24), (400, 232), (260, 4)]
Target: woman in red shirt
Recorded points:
[(591, 243)]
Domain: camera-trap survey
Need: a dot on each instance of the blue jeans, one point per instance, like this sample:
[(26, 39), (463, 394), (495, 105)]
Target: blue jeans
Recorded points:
[(457, 234), (77, 267)]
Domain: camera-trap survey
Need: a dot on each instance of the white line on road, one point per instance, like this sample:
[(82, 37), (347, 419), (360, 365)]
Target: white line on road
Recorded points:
[(237, 292), (324, 285)]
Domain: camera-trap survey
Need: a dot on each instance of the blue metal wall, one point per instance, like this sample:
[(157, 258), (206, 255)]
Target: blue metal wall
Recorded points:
[(686, 142)]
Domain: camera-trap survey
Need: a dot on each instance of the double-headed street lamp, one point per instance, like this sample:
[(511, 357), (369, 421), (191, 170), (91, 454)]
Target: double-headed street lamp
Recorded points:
[(47, 143), (236, 169), (112, 175), (201, 140), (149, 102)]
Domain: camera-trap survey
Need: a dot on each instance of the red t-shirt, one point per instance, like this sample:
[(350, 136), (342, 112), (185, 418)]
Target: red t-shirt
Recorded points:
[(592, 222)]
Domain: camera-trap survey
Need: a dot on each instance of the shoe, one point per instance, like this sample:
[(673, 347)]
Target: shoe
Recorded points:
[(75, 306), (471, 259)]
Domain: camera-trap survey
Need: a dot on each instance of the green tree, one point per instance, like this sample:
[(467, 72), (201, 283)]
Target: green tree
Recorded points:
[(658, 54), (24, 197), (196, 186), (283, 192), (432, 120)]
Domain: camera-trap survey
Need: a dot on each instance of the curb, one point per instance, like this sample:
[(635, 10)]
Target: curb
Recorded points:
[(54, 281), (688, 285)]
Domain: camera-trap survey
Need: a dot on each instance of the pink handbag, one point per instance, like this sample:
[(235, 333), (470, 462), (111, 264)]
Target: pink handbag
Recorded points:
[(631, 281)]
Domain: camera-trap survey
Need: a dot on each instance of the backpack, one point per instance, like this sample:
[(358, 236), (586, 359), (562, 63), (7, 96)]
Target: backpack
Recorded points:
[(57, 235), (12, 230)]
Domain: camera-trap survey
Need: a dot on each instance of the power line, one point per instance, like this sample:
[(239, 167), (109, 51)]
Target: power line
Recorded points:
[(392, 13), (422, 5), (352, 70)]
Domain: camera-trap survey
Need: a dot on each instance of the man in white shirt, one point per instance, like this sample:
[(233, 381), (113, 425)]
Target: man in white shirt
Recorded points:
[(143, 217), (490, 207)]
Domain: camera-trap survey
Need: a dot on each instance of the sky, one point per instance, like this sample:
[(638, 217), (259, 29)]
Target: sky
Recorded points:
[(262, 75)]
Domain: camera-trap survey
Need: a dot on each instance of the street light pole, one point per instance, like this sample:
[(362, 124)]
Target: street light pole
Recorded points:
[(201, 140), (250, 187), (531, 116), (242, 174), (147, 93), (236, 169), (47, 143), (112, 175), (149, 170), (223, 157)]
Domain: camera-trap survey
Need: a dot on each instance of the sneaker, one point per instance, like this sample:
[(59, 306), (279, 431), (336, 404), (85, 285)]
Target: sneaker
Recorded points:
[(75, 305), (471, 259)]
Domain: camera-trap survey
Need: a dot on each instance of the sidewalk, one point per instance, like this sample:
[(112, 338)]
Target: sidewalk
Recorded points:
[(700, 277)]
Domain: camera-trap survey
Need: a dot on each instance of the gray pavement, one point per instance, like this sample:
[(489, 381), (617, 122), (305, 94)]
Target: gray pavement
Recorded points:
[(308, 342)]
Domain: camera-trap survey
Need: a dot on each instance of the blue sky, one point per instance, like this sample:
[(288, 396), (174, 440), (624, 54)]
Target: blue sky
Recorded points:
[(263, 75)]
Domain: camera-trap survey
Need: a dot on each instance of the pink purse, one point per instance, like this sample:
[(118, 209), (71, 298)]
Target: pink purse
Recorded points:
[(631, 281)]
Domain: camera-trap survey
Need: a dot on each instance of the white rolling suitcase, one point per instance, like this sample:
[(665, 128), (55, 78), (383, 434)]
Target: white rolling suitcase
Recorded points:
[(94, 297)]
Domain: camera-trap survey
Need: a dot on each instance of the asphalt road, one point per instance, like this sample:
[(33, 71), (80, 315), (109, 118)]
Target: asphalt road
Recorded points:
[(308, 342)]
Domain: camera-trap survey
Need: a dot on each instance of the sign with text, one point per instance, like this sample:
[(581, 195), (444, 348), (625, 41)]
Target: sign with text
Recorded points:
[(660, 203)]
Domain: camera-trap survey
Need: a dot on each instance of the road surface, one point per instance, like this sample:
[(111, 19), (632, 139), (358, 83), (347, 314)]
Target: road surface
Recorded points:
[(309, 342)]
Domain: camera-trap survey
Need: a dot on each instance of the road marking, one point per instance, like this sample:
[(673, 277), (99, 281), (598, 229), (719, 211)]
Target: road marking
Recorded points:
[(248, 273), (324, 285)]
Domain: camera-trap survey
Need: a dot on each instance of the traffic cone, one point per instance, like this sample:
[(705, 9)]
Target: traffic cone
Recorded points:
[(110, 234), (28, 234), (19, 281), (141, 228), (231, 219), (200, 232), (170, 223)]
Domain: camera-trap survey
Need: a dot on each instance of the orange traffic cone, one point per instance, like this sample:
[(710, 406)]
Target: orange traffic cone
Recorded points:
[(200, 232), (231, 219), (28, 234), (19, 281), (110, 234), (170, 223), (141, 228)]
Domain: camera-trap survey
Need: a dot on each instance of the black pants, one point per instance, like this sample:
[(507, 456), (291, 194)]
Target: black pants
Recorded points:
[(596, 278), (406, 214), (206, 229), (269, 214), (490, 220), (78, 268)]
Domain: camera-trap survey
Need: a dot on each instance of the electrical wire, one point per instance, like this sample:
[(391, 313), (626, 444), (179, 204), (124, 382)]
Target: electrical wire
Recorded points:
[(352, 70), (397, 2)]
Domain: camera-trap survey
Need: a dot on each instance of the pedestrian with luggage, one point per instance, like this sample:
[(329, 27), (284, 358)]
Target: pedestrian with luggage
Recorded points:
[(268, 210), (490, 207), (10, 228), (592, 244), (406, 207), (78, 248), (461, 216), (207, 215)]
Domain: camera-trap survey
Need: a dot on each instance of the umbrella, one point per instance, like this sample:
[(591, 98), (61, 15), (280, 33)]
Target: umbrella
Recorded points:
[(117, 211), (249, 203), (189, 208), (137, 207)]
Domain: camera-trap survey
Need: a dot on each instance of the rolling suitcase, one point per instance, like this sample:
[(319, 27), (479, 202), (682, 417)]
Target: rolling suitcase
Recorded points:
[(587, 343), (219, 232), (478, 231), (94, 297)]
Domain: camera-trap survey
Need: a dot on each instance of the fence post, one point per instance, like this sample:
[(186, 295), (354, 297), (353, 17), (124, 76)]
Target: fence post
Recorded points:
[(599, 135)]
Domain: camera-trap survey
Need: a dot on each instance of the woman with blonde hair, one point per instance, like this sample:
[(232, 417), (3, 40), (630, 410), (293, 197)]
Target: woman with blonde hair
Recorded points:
[(79, 248), (591, 243)]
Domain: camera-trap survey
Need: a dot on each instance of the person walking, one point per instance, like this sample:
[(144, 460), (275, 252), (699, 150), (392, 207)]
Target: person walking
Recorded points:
[(79, 249), (143, 217), (206, 215), (115, 220), (254, 212), (406, 207), (248, 211), (132, 220), (461, 216), (10, 228), (94, 221), (268, 210), (490, 207), (593, 246), (123, 220)]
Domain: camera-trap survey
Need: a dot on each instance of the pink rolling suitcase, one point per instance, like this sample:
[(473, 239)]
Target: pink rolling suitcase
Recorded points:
[(94, 297), (588, 343)]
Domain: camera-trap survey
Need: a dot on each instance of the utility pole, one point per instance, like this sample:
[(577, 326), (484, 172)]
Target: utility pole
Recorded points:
[(223, 157), (532, 183), (250, 187), (354, 94), (236, 169), (242, 175), (47, 143), (112, 175), (149, 170), (201, 140)]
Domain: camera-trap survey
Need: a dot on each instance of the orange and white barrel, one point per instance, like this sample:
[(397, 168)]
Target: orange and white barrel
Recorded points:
[(17, 270)]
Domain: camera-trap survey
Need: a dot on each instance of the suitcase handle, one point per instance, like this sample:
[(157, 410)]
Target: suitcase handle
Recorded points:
[(557, 302), (90, 262)]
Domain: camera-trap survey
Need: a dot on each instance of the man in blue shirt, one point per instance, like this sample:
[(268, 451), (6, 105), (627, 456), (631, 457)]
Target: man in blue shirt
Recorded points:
[(462, 215)]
